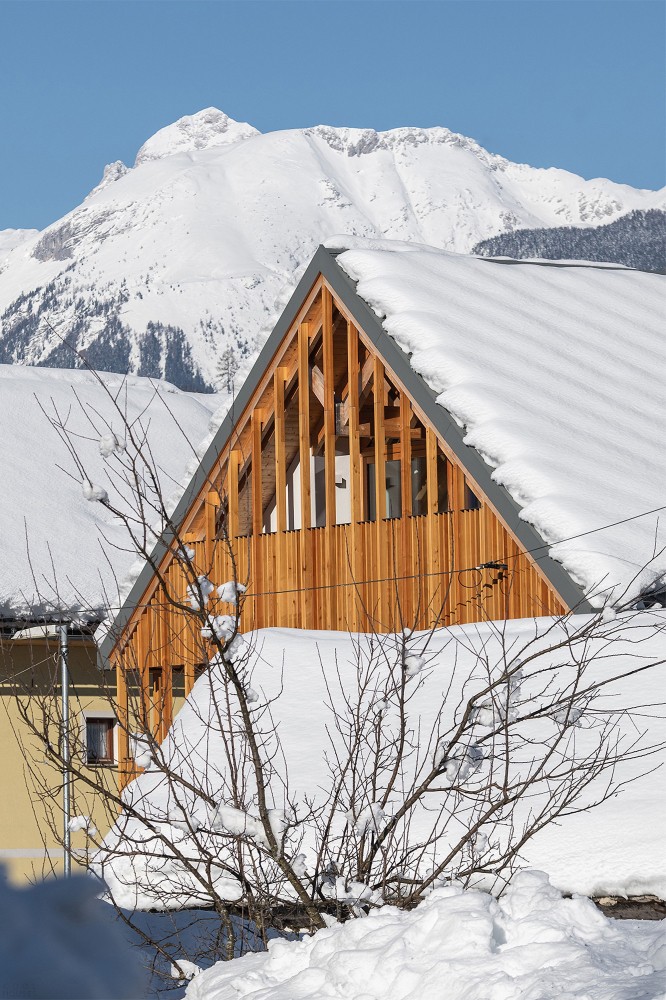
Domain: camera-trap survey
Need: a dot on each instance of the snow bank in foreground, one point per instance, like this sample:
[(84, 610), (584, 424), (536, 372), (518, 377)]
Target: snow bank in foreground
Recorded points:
[(58, 941), (531, 944)]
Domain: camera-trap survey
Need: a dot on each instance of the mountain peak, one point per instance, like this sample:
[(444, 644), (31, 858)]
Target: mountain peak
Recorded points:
[(207, 128)]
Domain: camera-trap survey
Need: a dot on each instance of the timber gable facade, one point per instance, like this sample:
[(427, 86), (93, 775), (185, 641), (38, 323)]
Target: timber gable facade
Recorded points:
[(342, 494)]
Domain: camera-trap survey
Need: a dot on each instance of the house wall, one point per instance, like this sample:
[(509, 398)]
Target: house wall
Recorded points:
[(29, 671)]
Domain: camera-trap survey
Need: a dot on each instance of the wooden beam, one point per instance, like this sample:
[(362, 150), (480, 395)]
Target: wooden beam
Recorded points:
[(124, 764), (385, 589), (282, 581), (212, 505), (257, 518), (331, 605), (434, 589), (232, 497), (257, 512), (280, 456), (305, 567), (304, 421), (355, 483), (317, 382), (329, 408), (407, 603), (380, 440)]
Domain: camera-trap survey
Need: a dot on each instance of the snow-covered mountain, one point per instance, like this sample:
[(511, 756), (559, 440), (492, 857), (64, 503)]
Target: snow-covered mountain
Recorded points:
[(167, 264), (11, 238)]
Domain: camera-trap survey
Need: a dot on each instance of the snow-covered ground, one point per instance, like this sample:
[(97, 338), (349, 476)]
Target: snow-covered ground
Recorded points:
[(59, 550), (615, 848), (215, 218), (530, 945), (557, 375)]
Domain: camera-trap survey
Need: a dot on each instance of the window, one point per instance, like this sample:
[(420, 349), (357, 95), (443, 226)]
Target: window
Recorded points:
[(99, 740), (178, 681), (472, 502), (393, 496), (419, 487)]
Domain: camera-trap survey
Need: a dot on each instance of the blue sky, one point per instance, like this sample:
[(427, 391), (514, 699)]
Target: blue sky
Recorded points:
[(577, 84)]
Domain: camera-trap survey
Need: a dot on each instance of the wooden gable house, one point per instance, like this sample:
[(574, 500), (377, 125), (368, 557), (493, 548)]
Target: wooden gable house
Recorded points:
[(343, 496)]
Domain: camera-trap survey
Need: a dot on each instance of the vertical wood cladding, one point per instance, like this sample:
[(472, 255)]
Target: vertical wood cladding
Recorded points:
[(338, 505)]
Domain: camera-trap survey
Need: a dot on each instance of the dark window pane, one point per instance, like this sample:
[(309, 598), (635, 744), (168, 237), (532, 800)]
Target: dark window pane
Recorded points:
[(442, 484), (178, 681), (370, 488), (99, 741), (472, 502)]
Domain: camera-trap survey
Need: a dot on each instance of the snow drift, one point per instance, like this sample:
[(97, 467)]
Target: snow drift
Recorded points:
[(531, 944)]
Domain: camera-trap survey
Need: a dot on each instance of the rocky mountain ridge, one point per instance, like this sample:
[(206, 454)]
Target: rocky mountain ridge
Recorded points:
[(174, 262)]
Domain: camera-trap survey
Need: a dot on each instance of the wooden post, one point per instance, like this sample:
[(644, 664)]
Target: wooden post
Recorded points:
[(282, 580), (212, 504), (305, 571), (385, 588), (124, 764), (406, 587), (232, 498), (330, 604), (380, 441), (280, 458), (355, 484), (189, 675), (167, 699), (436, 587), (257, 517), (304, 420)]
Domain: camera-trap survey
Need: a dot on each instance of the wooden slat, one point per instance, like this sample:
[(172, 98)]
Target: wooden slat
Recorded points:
[(280, 457), (124, 764), (355, 467), (380, 441), (382, 564), (405, 560), (257, 517), (232, 496), (436, 586), (304, 422), (329, 449), (212, 505), (305, 568)]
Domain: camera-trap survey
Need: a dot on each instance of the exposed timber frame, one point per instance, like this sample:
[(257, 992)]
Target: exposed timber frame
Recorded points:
[(332, 391)]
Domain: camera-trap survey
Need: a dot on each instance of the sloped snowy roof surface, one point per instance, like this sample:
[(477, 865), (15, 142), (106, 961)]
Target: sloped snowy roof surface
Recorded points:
[(61, 552), (557, 374)]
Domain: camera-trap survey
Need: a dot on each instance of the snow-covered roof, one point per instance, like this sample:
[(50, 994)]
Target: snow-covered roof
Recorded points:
[(556, 373), (60, 552)]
